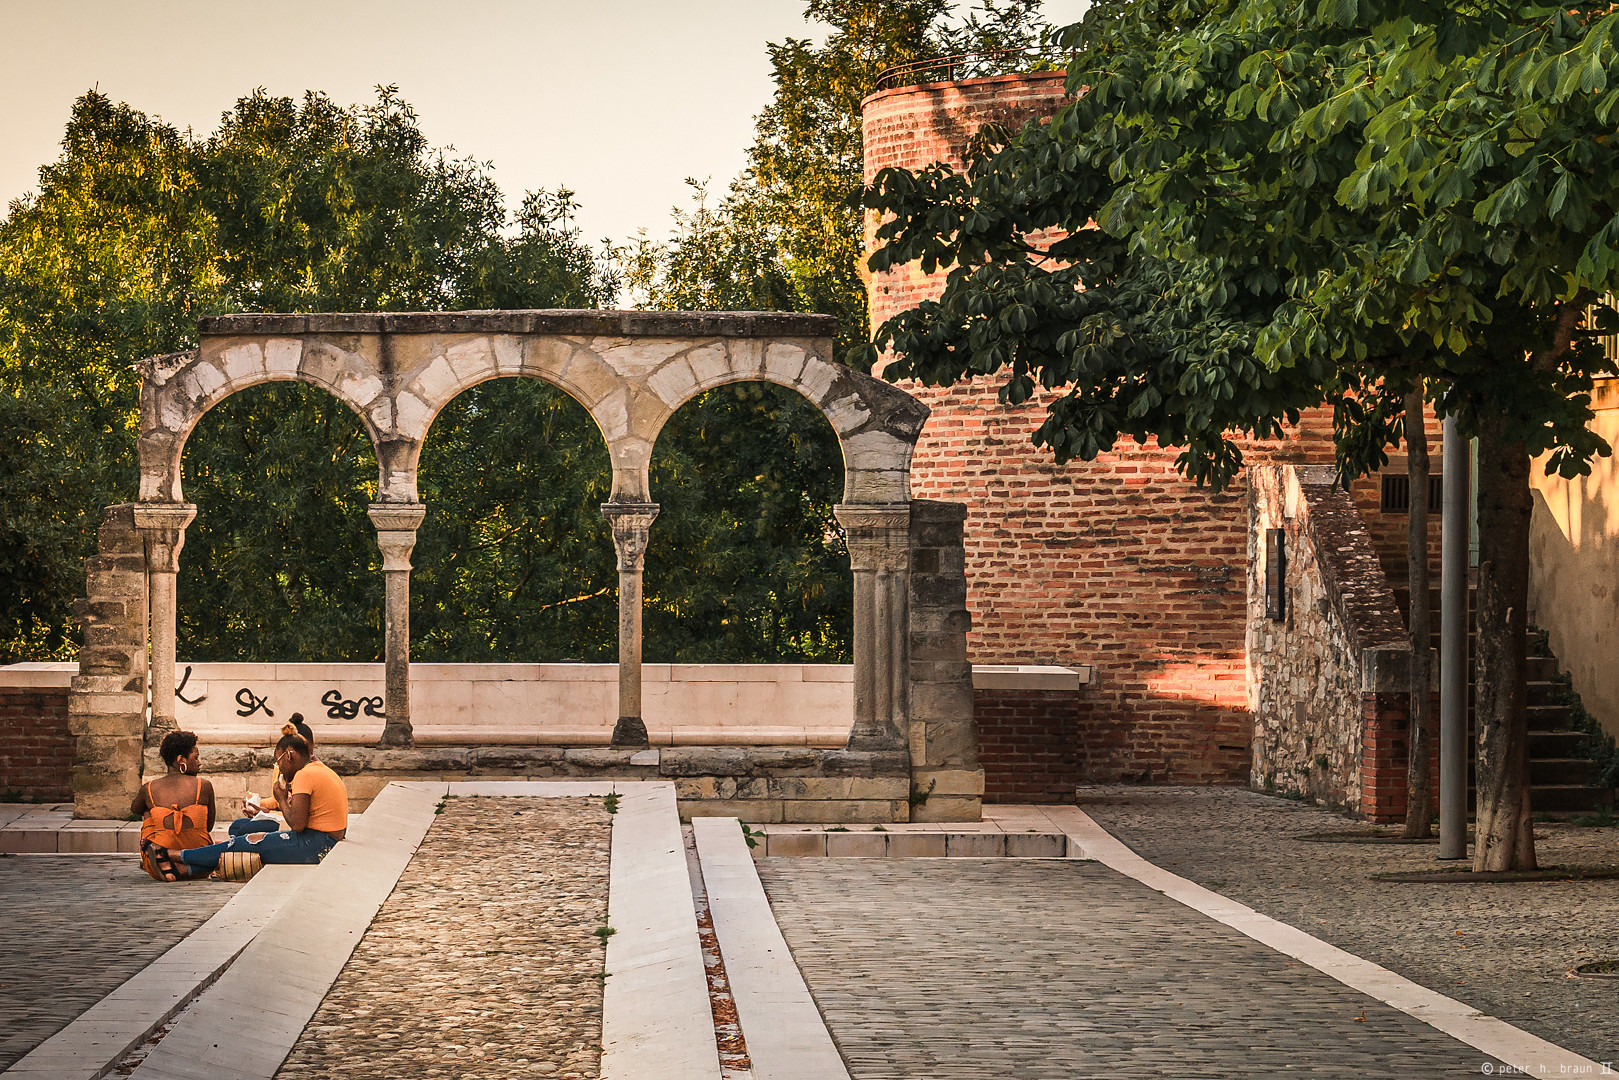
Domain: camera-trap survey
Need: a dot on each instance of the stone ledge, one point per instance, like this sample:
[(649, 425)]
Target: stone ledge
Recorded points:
[(537, 321)]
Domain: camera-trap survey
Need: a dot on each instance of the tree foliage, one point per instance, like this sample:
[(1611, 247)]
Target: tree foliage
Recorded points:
[(1264, 205)]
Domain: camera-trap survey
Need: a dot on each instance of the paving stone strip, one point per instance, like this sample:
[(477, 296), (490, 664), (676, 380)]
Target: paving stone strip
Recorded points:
[(1505, 949), (484, 962), (77, 927), (1046, 970)]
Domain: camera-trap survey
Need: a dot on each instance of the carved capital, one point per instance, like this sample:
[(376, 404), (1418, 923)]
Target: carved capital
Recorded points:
[(396, 531), (164, 527), (632, 529), (879, 536)]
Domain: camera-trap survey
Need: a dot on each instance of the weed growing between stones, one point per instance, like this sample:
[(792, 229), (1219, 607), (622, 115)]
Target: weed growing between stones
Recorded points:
[(611, 802), (920, 798), (752, 836), (604, 932)]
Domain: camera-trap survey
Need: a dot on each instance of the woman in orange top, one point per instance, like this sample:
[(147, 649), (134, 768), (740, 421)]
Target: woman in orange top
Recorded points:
[(177, 810), (317, 817)]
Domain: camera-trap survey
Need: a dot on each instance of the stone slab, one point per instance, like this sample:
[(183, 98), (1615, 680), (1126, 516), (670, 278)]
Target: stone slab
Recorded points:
[(656, 1017), (786, 1037)]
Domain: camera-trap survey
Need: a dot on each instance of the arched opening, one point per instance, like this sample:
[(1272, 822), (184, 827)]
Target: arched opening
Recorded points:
[(281, 562), (514, 561), (747, 563)]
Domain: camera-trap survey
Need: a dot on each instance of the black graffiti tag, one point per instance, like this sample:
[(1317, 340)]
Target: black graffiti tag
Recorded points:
[(338, 709), (251, 703), (183, 680)]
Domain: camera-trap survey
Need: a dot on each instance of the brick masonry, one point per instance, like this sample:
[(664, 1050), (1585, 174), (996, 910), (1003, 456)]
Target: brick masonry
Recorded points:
[(36, 748), (1029, 743)]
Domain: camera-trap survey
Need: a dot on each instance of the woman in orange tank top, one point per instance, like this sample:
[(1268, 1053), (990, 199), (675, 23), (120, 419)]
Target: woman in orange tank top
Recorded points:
[(177, 810)]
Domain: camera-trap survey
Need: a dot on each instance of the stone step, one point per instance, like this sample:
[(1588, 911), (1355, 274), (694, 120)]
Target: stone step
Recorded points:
[(1546, 692), (1568, 797), (1540, 668), (1555, 744), (1559, 772), (1549, 717), (861, 843)]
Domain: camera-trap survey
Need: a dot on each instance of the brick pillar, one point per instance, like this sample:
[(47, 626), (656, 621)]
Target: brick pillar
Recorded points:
[(1385, 733), (107, 701), (943, 734)]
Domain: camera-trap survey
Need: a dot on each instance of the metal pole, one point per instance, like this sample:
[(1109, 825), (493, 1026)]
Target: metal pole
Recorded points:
[(1453, 645)]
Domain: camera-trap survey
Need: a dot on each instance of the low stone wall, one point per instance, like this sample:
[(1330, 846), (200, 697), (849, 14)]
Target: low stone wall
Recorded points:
[(756, 784), (523, 704), (1329, 682), (1028, 732), (36, 748)]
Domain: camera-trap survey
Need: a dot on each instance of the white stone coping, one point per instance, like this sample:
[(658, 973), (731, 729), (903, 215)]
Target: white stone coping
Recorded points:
[(1531, 1054), (40, 674), (90, 1045), (656, 1017), (786, 1037), (1030, 677)]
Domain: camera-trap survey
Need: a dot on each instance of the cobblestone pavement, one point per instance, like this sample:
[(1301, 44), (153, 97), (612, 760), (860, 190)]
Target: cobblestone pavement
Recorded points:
[(1048, 969), (484, 961), (73, 928), (1506, 950)]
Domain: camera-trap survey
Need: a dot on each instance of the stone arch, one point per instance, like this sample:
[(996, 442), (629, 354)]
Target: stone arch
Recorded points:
[(630, 370), (179, 388)]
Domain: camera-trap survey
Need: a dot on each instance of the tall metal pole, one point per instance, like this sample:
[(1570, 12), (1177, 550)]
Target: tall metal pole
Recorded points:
[(1453, 747)]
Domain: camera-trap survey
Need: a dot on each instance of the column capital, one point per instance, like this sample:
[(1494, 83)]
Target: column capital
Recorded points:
[(878, 535), (632, 530), (164, 526), (396, 525)]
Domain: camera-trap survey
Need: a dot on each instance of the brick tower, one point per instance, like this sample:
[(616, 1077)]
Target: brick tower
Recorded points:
[(1118, 564)]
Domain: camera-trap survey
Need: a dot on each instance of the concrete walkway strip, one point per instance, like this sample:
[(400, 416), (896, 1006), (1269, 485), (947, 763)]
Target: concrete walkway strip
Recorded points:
[(249, 1020), (91, 1045), (657, 1023), (1531, 1054), (786, 1037)]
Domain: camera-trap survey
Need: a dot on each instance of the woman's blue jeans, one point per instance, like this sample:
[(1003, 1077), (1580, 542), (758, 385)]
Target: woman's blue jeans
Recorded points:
[(272, 844)]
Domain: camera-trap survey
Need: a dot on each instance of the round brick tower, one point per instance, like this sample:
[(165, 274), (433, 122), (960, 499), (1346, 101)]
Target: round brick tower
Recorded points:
[(1117, 564)]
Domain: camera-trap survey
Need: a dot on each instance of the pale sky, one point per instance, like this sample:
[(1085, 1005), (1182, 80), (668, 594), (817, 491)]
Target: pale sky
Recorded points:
[(618, 99)]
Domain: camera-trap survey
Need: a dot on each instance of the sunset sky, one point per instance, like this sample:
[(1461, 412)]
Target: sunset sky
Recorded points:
[(618, 99)]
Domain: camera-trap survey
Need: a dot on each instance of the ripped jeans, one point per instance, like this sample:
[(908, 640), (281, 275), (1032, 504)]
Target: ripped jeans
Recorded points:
[(273, 844)]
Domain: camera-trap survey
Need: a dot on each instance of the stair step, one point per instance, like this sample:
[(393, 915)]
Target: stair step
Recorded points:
[(1546, 693), (1540, 668), (1555, 744), (1549, 717), (1554, 797), (1560, 771)]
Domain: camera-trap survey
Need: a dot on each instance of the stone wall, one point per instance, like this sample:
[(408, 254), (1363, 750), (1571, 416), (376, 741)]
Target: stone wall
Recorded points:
[(1117, 563), (107, 702), (1327, 674), (36, 748), (947, 779)]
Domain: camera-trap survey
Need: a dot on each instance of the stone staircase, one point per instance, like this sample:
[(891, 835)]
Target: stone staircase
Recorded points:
[(1562, 775)]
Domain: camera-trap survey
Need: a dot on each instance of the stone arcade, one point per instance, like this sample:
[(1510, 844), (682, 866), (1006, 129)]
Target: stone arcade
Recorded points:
[(912, 728)]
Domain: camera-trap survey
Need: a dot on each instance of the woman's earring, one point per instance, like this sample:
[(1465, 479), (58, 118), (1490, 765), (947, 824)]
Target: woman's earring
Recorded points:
[(183, 767)]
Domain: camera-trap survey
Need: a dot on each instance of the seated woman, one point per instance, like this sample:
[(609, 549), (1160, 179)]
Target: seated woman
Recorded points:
[(317, 817), (254, 817), (176, 810)]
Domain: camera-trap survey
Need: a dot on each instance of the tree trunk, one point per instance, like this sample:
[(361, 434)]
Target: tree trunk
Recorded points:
[(1506, 838), (1418, 784)]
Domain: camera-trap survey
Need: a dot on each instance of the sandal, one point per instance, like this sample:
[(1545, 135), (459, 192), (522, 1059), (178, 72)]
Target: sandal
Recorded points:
[(161, 859)]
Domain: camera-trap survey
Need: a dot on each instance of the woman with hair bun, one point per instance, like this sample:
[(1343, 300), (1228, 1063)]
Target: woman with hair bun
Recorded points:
[(317, 818), (176, 810), (279, 795)]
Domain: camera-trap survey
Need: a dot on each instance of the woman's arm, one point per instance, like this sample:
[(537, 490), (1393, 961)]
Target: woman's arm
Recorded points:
[(208, 798), (297, 812), (138, 805)]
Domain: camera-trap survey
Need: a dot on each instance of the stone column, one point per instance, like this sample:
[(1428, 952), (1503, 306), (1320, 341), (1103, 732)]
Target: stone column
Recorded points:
[(163, 527), (879, 553), (396, 537), (632, 527)]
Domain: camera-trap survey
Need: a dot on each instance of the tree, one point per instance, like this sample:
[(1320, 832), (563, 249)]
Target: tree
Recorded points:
[(136, 232), (1300, 204)]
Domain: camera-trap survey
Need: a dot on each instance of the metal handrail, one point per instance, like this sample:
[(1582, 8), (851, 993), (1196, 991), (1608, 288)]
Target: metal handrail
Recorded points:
[(959, 66)]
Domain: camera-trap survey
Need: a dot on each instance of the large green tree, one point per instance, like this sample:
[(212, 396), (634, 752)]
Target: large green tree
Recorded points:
[(1301, 203)]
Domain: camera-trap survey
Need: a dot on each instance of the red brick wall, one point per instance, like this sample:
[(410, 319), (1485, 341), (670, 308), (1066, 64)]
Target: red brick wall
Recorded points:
[(1116, 563), (36, 751), (1385, 754), (1028, 744)]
